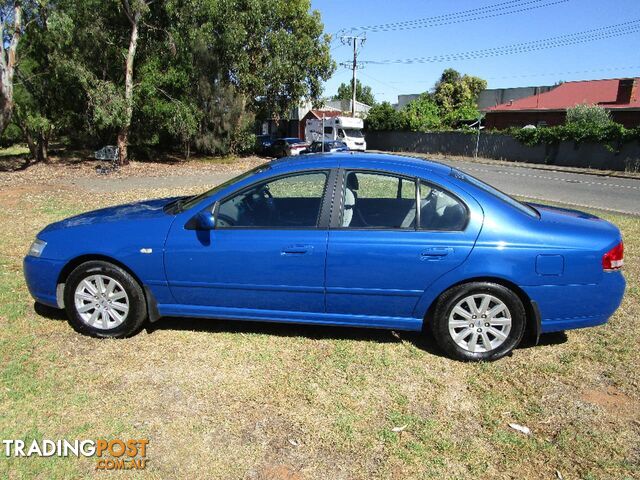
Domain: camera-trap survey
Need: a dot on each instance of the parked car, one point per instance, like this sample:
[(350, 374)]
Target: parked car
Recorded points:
[(287, 147), (365, 240), (330, 146), (263, 144)]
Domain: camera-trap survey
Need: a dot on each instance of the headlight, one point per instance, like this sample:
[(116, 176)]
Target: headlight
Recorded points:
[(37, 247)]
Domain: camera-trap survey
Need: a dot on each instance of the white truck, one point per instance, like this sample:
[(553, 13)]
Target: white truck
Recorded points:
[(343, 129)]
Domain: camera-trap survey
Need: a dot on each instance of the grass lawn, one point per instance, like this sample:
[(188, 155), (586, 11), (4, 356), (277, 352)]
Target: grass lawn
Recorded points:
[(14, 150), (240, 400)]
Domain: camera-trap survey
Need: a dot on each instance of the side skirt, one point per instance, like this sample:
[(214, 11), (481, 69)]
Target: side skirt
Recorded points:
[(391, 323)]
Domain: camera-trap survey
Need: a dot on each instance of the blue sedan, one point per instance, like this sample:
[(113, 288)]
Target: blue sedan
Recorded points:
[(363, 240)]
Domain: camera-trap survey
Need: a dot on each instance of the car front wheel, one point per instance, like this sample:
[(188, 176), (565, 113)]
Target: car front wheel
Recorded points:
[(479, 321), (104, 300)]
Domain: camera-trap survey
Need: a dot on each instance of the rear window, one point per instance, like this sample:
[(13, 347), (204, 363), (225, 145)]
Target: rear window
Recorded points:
[(291, 141), (523, 207)]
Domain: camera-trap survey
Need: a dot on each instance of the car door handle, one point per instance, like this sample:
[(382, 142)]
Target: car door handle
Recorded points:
[(297, 250), (436, 253)]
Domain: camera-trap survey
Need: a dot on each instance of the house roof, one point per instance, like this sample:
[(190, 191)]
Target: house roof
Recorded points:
[(570, 94)]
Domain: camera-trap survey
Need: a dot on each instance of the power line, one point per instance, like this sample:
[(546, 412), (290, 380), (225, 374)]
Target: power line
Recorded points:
[(490, 11), (586, 36), (394, 84), (574, 72)]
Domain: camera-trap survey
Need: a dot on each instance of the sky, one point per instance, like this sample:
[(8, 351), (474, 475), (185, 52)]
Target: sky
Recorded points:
[(603, 58)]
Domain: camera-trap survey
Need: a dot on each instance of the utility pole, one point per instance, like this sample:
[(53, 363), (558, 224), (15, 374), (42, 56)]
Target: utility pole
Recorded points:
[(354, 41)]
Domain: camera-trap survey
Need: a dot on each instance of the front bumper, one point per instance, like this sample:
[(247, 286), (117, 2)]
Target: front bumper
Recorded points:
[(41, 275), (565, 307)]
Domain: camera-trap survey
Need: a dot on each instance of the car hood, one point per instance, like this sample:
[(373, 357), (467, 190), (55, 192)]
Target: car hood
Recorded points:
[(130, 211)]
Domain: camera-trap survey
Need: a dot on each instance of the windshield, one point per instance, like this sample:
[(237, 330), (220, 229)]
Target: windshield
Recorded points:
[(352, 132), (523, 207), (186, 203)]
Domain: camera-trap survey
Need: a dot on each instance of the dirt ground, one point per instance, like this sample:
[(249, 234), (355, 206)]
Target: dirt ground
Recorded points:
[(255, 401)]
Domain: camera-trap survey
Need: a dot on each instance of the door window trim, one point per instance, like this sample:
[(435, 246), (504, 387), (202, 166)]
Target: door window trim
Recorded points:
[(336, 217), (337, 209), (322, 221)]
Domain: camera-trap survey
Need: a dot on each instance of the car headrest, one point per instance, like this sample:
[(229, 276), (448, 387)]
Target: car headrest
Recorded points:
[(352, 181)]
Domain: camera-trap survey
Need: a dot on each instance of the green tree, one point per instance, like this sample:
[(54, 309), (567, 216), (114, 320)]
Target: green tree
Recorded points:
[(383, 116), (11, 29), (46, 99), (155, 74), (456, 96), (364, 93), (422, 114)]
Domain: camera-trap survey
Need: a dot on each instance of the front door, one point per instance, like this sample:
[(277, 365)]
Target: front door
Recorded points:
[(267, 252), (384, 252)]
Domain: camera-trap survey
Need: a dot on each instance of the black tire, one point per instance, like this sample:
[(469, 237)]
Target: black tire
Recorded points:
[(137, 305), (449, 299)]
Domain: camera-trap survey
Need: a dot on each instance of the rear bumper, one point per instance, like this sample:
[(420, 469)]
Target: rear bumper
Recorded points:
[(565, 307), (42, 276)]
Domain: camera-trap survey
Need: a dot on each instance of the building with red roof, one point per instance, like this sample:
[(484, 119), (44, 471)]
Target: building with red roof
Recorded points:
[(621, 96)]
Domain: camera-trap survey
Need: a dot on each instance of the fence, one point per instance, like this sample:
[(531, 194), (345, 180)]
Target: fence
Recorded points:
[(505, 147)]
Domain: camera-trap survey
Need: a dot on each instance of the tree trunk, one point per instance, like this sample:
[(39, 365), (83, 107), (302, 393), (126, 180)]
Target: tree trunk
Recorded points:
[(7, 65), (43, 149), (123, 134)]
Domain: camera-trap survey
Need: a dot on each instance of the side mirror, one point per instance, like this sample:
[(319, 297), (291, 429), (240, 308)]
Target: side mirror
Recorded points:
[(204, 220)]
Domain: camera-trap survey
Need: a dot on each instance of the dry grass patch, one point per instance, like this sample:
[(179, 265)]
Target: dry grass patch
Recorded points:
[(242, 400)]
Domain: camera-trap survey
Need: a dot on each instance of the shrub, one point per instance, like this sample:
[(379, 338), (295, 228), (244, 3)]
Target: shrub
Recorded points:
[(384, 117), (588, 116)]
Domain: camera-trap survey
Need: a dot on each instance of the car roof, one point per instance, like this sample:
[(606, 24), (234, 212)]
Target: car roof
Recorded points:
[(358, 160)]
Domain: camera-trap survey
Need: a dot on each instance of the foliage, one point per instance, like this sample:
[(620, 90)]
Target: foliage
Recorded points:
[(11, 136), (452, 100), (612, 135), (364, 93), (422, 114), (195, 59), (456, 96), (588, 116), (383, 116), (226, 126), (584, 123)]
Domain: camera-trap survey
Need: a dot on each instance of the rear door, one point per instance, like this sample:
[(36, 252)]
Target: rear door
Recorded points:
[(384, 252)]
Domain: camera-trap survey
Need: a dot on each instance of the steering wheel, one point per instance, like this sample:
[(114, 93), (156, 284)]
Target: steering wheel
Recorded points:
[(230, 222)]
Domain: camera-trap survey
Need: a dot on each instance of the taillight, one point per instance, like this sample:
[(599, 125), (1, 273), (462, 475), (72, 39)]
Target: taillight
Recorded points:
[(614, 258)]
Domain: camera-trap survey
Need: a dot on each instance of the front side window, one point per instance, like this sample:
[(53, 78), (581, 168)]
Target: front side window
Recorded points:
[(379, 200), (439, 210), (286, 202)]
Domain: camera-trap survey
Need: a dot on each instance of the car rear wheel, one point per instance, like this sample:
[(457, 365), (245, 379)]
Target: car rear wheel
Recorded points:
[(103, 300), (479, 321)]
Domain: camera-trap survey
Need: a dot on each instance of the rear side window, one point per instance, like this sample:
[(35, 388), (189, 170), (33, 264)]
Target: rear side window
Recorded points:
[(286, 202), (439, 210), (523, 207)]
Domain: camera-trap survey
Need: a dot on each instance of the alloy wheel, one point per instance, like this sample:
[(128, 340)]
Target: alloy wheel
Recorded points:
[(479, 323), (101, 302)]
